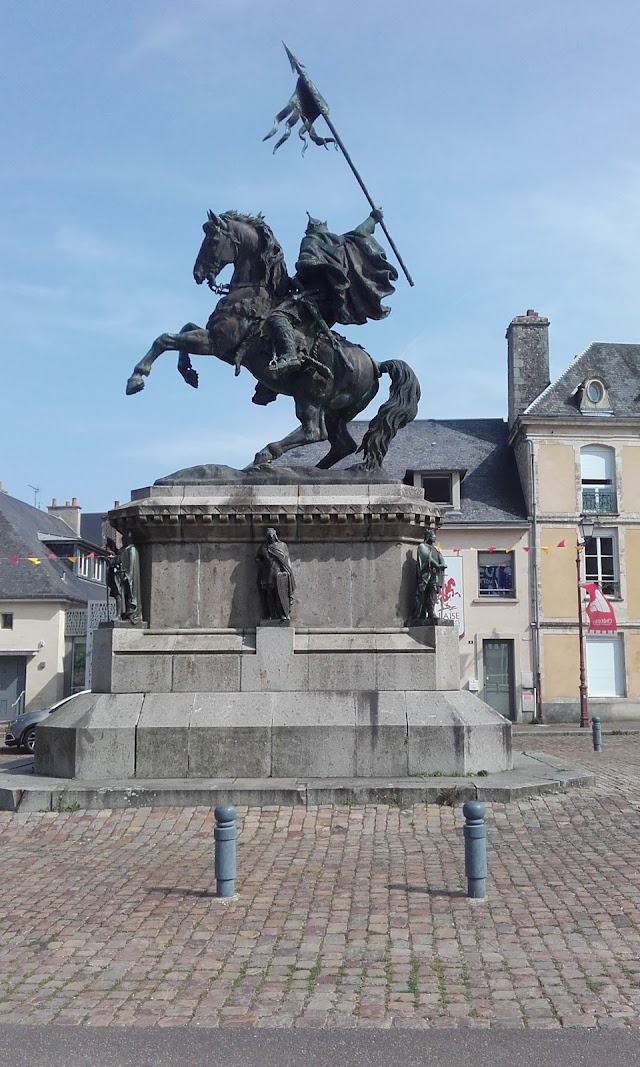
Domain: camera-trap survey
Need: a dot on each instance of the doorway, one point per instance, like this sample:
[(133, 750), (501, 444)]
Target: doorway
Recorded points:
[(498, 676), (13, 673)]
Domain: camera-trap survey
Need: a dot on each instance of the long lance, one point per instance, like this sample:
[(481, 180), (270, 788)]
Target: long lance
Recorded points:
[(323, 109)]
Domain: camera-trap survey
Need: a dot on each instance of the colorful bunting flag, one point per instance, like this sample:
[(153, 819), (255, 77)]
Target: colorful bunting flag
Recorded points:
[(35, 560)]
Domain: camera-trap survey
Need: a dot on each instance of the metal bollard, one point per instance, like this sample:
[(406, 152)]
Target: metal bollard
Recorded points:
[(224, 836), (475, 848), (596, 729)]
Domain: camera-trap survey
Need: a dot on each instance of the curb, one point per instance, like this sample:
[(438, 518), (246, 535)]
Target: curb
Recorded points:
[(534, 774)]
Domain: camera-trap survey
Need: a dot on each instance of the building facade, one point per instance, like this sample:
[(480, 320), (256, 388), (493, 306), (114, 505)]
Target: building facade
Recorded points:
[(52, 597), (577, 445)]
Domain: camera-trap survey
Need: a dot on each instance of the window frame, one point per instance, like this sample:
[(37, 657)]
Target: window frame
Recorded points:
[(91, 568), (596, 575), (496, 594), (603, 490), (443, 476), (615, 642), (4, 625), (78, 651), (597, 384)]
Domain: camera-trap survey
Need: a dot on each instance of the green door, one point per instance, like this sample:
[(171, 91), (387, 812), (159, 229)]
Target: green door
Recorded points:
[(12, 678), (498, 676)]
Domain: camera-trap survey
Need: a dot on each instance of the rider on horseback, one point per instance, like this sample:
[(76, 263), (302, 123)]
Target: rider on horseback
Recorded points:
[(338, 279)]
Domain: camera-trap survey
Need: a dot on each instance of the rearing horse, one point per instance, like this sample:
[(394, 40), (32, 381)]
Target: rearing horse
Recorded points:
[(334, 380)]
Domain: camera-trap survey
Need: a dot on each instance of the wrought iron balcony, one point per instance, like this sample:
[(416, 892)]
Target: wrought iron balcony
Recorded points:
[(601, 501)]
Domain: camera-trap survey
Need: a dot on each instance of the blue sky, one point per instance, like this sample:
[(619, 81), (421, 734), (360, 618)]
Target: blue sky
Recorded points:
[(499, 137)]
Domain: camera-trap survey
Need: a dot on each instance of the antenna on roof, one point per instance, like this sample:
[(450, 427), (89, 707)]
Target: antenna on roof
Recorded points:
[(36, 494)]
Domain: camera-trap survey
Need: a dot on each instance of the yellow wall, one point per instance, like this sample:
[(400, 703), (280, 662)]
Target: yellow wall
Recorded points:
[(556, 478), (632, 568), (561, 665), (558, 573), (632, 659), (630, 456), (37, 623)]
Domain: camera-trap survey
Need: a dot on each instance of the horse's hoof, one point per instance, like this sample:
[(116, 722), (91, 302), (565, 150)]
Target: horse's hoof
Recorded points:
[(135, 384)]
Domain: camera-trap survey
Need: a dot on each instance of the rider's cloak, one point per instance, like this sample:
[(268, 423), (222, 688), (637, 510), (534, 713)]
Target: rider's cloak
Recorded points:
[(349, 273)]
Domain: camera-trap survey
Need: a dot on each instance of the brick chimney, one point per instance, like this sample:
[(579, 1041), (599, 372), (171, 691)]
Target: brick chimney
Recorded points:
[(69, 511), (527, 361)]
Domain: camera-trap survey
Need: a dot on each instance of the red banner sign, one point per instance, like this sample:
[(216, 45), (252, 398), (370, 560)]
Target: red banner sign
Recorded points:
[(601, 617)]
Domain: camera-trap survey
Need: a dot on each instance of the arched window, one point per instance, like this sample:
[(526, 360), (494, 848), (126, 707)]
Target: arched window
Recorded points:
[(597, 471)]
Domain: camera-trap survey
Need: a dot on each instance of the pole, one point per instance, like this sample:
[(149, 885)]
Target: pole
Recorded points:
[(537, 658), (584, 708), (224, 836), (596, 728), (475, 848), (323, 109), (360, 182)]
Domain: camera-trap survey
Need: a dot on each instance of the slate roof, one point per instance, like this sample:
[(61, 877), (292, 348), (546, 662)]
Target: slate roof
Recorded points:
[(616, 365), (22, 530), (490, 491)]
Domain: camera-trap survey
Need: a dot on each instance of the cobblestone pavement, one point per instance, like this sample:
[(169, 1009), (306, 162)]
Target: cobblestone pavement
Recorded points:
[(346, 917)]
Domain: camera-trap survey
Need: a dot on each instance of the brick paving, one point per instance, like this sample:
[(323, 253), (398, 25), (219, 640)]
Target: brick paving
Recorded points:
[(346, 917)]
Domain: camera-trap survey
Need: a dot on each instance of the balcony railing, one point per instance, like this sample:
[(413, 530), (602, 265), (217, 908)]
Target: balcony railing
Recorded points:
[(602, 501)]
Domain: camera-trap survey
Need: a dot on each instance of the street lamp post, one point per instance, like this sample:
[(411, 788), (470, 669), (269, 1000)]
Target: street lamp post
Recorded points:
[(585, 528)]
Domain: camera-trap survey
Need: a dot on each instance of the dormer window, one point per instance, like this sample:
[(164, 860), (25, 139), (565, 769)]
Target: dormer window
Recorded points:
[(593, 398), (437, 489), (440, 487)]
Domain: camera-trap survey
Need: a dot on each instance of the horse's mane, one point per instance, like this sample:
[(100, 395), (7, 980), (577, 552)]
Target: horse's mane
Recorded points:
[(271, 253)]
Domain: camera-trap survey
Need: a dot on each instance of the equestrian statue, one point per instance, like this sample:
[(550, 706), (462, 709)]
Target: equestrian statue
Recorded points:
[(281, 330)]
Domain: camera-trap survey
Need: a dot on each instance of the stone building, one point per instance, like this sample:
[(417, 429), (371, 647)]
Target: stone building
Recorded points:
[(52, 597), (578, 452)]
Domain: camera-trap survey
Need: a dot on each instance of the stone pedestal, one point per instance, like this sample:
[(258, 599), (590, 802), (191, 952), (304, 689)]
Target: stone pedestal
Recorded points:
[(345, 690), (352, 549)]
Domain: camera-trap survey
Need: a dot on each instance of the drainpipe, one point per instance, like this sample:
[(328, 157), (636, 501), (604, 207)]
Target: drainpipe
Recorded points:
[(535, 599)]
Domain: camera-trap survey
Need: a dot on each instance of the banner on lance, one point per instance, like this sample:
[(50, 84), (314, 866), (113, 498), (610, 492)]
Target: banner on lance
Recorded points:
[(601, 618), (450, 603)]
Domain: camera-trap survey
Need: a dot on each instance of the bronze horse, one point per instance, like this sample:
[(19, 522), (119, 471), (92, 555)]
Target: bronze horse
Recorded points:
[(332, 382)]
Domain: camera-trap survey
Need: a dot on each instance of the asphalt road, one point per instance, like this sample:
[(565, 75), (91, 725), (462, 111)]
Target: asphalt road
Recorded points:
[(62, 1046)]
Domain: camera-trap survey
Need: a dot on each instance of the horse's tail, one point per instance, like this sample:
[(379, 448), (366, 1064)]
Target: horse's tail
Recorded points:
[(400, 409)]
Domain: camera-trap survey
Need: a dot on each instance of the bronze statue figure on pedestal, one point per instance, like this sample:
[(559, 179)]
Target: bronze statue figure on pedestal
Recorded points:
[(430, 578), (275, 577), (123, 580)]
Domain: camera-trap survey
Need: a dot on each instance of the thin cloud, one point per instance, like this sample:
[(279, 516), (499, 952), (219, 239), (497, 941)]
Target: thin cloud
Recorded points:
[(78, 243), (158, 37), (33, 293)]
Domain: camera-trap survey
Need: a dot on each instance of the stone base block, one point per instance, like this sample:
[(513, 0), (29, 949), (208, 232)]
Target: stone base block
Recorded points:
[(312, 734), (275, 658)]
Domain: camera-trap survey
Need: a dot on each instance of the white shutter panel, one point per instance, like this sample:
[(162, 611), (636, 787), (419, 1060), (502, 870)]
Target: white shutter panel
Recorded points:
[(596, 464), (605, 674)]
